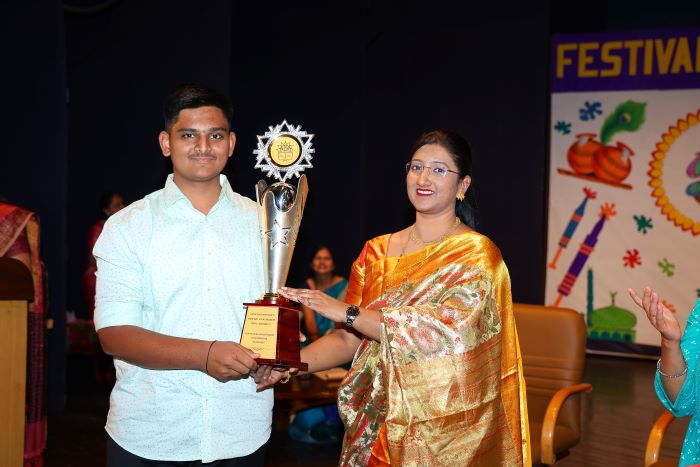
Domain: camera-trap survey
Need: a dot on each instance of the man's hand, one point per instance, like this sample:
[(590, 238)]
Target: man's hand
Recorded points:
[(229, 361)]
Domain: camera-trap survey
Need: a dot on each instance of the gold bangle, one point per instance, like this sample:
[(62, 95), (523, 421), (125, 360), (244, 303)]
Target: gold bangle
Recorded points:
[(285, 379)]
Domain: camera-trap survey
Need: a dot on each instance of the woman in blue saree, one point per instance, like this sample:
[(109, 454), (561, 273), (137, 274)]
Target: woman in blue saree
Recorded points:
[(319, 425), (677, 379), (322, 278)]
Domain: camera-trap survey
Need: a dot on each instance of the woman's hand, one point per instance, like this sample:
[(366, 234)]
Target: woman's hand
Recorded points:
[(267, 376), (318, 301), (659, 316)]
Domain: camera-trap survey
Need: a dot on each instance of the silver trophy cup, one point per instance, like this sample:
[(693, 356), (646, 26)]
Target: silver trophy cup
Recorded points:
[(280, 207)]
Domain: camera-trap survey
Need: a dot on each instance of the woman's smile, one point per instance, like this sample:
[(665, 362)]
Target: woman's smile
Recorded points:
[(424, 192)]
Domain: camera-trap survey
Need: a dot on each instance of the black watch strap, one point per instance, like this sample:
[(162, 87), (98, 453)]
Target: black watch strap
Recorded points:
[(351, 314)]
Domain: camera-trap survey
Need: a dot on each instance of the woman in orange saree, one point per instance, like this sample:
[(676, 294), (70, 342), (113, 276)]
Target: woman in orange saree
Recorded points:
[(437, 376), (19, 239)]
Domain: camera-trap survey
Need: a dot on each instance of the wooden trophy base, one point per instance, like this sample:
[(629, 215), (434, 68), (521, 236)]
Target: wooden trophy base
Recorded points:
[(271, 329)]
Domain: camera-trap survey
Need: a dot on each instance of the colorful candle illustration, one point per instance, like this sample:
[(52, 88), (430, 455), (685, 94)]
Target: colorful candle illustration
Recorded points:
[(584, 251), (589, 297), (571, 226)]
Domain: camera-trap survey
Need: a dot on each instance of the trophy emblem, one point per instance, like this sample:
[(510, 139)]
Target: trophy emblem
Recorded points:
[(271, 326)]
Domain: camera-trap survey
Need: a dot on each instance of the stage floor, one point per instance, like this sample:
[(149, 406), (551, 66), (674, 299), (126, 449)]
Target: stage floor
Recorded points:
[(617, 417)]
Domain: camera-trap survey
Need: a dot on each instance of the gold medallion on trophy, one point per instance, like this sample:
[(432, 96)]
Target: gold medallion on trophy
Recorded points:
[(284, 151)]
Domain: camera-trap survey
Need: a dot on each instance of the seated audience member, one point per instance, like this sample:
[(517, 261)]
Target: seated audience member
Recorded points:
[(322, 424), (110, 203), (322, 278)]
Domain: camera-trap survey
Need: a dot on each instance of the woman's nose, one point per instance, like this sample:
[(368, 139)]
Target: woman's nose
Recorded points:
[(423, 176)]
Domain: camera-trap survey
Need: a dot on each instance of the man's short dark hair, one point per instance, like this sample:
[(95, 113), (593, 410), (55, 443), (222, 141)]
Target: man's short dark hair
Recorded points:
[(192, 96)]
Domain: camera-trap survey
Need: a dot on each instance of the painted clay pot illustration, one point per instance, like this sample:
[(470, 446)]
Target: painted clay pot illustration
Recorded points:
[(612, 163), (581, 153)]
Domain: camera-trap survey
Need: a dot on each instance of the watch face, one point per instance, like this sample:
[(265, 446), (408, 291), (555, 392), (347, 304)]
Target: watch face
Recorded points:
[(350, 314)]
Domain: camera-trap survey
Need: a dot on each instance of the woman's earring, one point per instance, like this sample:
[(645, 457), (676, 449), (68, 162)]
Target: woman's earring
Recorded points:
[(460, 196)]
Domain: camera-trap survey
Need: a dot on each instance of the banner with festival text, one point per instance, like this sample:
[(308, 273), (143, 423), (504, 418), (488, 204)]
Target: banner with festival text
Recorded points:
[(624, 180)]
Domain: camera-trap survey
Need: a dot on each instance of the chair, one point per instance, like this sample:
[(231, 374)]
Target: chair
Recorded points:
[(553, 344), (656, 436)]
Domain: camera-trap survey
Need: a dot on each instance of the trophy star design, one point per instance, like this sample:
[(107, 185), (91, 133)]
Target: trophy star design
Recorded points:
[(271, 325), (278, 234)]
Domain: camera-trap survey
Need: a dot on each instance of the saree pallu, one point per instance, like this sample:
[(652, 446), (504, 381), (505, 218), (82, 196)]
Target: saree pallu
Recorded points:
[(444, 384), (13, 220)]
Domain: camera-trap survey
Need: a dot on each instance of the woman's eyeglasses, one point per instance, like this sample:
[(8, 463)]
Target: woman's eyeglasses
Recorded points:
[(416, 168)]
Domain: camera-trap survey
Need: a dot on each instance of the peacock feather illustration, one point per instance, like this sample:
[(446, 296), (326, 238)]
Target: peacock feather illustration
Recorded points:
[(628, 116)]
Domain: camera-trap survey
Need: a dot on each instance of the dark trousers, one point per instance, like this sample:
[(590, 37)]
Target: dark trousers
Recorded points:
[(120, 457)]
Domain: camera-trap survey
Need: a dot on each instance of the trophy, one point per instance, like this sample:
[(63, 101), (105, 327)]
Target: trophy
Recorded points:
[(271, 326)]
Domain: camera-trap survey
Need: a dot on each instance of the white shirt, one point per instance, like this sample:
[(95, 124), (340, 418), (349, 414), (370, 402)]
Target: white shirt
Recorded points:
[(166, 267)]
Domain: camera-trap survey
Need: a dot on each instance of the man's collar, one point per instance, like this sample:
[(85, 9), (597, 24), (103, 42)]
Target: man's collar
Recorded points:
[(172, 193), (226, 190)]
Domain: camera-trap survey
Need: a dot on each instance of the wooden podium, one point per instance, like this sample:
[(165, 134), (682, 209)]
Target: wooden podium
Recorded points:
[(16, 291)]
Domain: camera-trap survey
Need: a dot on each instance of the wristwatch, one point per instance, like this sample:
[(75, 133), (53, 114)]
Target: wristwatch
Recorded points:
[(351, 314)]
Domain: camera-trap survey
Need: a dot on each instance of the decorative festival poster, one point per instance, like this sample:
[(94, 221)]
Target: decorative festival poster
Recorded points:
[(624, 193)]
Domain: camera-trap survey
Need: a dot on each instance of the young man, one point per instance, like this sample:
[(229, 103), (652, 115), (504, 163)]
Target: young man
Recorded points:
[(173, 271)]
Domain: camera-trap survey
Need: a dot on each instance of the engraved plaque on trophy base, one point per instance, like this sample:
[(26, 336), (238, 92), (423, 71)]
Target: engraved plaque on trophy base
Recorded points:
[(271, 329)]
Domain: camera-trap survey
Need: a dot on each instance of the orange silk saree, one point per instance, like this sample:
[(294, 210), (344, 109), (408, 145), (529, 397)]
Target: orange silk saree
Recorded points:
[(444, 384)]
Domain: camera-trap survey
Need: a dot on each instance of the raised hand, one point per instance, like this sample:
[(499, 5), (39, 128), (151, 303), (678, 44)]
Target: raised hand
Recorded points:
[(659, 316), (228, 360), (318, 301)]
